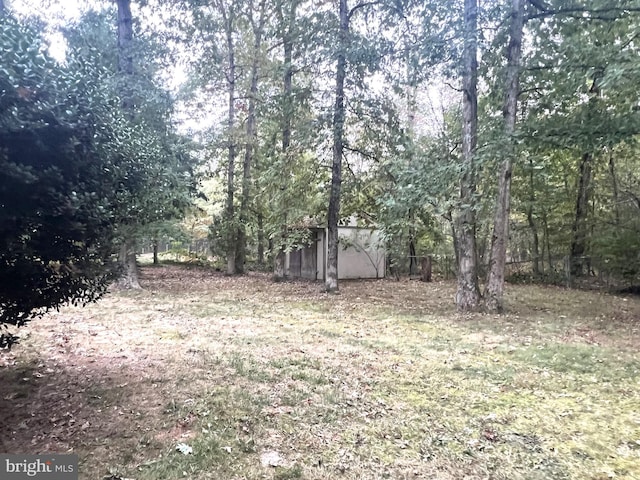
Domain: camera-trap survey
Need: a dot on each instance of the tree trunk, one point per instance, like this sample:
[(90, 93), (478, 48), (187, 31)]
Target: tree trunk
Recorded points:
[(127, 258), (426, 267), (413, 260), (579, 229), (536, 241), (287, 80), (412, 107), (155, 252), (495, 283), (229, 25), (614, 186), (454, 238), (547, 241), (260, 240), (468, 293), (333, 213), (287, 94), (125, 54), (251, 140), (532, 224)]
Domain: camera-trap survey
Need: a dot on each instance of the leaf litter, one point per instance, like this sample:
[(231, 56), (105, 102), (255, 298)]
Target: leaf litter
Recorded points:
[(384, 380)]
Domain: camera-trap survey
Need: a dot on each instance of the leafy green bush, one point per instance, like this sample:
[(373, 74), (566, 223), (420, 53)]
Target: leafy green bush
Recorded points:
[(67, 167)]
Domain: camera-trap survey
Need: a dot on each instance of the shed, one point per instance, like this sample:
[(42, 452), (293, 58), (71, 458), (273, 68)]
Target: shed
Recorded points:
[(361, 254)]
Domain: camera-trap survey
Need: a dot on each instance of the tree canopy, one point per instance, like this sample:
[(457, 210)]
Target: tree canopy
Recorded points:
[(75, 170)]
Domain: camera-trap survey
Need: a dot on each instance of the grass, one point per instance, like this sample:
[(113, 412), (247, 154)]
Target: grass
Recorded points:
[(384, 380)]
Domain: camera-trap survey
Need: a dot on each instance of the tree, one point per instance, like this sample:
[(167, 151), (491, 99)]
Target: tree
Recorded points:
[(127, 254), (500, 237), (333, 213), (468, 293), (578, 108), (286, 23), (228, 13), (154, 179), (257, 29), (60, 154)]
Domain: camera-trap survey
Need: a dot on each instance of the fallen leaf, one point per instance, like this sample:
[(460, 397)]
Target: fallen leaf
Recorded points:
[(271, 459), (184, 449)]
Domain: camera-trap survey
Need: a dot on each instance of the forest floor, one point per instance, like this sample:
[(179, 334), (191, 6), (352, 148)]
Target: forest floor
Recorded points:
[(263, 380)]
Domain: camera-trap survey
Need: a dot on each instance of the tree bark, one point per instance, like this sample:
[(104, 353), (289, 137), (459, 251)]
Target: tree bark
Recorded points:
[(547, 241), (229, 25), (454, 237), (532, 223), (333, 213), (125, 54), (251, 140), (287, 110), (260, 240), (614, 186), (413, 258), (426, 268), (412, 93), (127, 257), (579, 229), (499, 240), (287, 80), (536, 241), (468, 293), (155, 252)]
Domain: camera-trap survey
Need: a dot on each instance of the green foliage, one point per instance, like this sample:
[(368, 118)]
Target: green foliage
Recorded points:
[(154, 177), (76, 174), (578, 100), (58, 152)]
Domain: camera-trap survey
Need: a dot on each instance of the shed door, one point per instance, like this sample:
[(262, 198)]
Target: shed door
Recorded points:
[(295, 263), (309, 268)]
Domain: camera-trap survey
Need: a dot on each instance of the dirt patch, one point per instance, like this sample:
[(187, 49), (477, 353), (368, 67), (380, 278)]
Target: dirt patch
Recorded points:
[(63, 398)]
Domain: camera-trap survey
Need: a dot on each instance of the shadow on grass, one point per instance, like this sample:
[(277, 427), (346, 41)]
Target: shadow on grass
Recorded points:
[(94, 407)]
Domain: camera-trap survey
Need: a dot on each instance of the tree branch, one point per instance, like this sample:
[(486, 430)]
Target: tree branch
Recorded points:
[(362, 5), (595, 14), (360, 152)]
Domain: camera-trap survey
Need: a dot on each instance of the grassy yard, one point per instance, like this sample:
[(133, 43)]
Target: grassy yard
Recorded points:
[(282, 381)]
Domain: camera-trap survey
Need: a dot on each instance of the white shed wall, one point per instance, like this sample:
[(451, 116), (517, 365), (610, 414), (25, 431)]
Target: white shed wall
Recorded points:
[(361, 254)]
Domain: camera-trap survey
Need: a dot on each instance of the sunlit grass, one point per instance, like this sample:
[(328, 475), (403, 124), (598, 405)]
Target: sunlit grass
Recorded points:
[(385, 380)]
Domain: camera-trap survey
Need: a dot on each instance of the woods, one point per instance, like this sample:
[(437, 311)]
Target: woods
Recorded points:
[(200, 201), (498, 140)]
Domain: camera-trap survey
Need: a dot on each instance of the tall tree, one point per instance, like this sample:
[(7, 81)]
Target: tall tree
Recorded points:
[(127, 254), (333, 213), (500, 237), (63, 148), (228, 13), (468, 292), (257, 29), (579, 228), (286, 20)]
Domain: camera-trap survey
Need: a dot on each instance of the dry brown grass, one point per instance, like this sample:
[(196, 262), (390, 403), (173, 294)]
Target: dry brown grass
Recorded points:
[(383, 380)]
